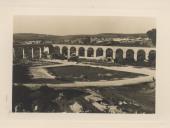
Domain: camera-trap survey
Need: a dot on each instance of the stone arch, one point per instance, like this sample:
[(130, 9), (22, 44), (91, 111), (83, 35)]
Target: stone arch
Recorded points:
[(109, 52), (72, 51), (119, 56), (28, 52), (90, 52), (81, 51), (99, 52), (52, 49), (141, 56), (57, 50), (152, 57), (65, 51), (130, 56), (36, 52), (18, 52)]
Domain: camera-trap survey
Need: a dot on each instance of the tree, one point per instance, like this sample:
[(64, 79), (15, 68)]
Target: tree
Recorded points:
[(152, 35), (45, 55)]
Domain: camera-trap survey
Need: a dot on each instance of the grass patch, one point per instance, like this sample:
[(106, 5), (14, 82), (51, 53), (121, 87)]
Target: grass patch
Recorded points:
[(87, 73)]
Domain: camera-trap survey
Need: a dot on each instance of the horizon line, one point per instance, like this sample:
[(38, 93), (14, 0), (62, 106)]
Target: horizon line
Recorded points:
[(77, 34)]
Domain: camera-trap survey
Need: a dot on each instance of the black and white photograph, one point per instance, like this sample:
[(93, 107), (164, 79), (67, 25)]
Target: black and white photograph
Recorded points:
[(84, 64)]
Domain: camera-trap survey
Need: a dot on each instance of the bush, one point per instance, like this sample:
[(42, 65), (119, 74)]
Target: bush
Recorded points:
[(58, 56), (73, 58)]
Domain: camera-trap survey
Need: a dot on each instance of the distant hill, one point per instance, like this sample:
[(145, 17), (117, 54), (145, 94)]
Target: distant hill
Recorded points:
[(19, 38), (33, 36)]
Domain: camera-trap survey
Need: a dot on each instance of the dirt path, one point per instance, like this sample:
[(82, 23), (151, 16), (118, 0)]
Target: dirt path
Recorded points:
[(130, 81), (38, 72)]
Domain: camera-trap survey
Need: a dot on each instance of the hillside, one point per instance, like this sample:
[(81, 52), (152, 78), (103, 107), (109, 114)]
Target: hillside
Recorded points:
[(97, 39)]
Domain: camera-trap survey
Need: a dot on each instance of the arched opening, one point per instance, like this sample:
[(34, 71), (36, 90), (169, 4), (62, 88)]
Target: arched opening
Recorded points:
[(19, 53), (51, 49), (130, 56), (119, 56), (141, 57), (72, 51), (109, 52), (37, 52), (81, 51), (99, 52), (152, 57), (90, 52), (65, 51), (28, 52), (55, 52)]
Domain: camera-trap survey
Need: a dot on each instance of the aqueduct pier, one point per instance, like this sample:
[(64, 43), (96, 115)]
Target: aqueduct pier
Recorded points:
[(84, 51)]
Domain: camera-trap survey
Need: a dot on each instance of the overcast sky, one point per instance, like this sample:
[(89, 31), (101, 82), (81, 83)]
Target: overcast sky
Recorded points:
[(70, 25)]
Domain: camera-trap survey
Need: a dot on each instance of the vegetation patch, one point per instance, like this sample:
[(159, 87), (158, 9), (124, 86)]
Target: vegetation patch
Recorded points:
[(138, 98), (87, 73)]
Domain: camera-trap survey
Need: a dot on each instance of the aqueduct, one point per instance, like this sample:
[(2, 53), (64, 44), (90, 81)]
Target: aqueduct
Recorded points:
[(86, 51)]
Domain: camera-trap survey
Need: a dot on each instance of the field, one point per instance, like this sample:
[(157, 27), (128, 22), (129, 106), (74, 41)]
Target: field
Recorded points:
[(70, 74), (87, 73)]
